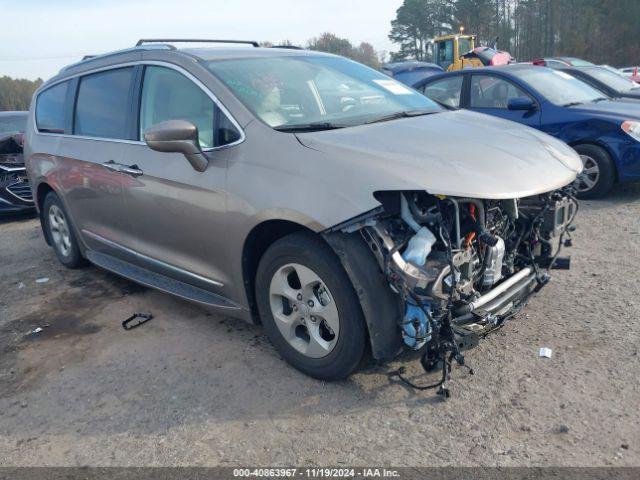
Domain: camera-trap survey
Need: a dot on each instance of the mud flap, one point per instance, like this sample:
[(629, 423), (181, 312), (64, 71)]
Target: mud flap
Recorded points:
[(380, 305)]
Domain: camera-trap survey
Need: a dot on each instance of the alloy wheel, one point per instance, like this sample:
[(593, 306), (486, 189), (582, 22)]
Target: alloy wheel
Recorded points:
[(304, 310), (60, 232), (590, 174)]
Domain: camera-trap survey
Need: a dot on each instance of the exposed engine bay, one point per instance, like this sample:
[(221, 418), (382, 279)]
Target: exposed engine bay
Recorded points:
[(462, 266)]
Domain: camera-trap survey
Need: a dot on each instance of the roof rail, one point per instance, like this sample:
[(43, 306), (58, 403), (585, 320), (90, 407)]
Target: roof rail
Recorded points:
[(290, 47), (193, 40)]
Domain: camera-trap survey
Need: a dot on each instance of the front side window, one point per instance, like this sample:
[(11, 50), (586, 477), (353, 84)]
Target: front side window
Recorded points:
[(50, 109), (445, 53), (488, 91), (169, 95), (103, 103), (302, 90), (445, 91)]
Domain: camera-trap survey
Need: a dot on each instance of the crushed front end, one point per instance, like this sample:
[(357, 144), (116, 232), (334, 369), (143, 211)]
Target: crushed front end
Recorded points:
[(15, 191), (462, 266)]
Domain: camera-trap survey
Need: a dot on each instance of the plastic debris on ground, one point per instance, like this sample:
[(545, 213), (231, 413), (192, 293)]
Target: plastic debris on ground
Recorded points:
[(42, 280), (136, 320), (37, 330), (545, 352)]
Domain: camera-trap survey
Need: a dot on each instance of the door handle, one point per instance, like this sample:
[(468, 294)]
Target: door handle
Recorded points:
[(132, 170), (111, 165)]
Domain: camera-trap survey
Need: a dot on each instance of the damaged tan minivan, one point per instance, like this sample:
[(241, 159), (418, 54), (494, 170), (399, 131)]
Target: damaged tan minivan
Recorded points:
[(348, 214)]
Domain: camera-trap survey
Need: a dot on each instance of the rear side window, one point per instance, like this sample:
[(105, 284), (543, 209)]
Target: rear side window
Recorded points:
[(103, 103), (446, 91), (50, 109), (169, 95)]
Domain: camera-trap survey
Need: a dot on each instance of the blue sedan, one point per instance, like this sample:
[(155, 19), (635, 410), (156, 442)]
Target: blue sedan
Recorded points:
[(604, 132)]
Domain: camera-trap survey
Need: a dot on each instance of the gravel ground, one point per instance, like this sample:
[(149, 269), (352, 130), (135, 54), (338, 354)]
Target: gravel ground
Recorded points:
[(192, 388)]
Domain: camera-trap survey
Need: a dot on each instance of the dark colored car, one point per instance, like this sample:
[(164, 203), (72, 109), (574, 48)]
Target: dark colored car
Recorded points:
[(613, 84), (561, 62), (15, 193), (604, 132), (411, 72)]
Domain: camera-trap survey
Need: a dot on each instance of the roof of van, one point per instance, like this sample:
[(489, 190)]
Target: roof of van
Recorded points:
[(204, 53)]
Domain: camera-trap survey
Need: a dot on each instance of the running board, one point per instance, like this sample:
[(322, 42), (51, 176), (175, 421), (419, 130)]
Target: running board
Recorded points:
[(158, 281)]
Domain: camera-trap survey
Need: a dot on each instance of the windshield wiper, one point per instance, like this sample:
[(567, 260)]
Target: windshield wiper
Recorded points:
[(572, 104), (309, 127), (402, 114), (600, 99)]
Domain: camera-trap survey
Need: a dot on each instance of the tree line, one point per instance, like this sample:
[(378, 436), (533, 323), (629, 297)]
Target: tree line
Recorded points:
[(331, 43), (601, 31), (15, 94)]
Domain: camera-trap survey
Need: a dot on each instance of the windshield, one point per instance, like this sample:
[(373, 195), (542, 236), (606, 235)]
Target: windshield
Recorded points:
[(291, 91), (576, 62), (13, 123), (611, 79), (464, 45), (558, 87)]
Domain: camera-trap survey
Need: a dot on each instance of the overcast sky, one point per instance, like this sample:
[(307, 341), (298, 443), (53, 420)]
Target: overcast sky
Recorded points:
[(38, 37)]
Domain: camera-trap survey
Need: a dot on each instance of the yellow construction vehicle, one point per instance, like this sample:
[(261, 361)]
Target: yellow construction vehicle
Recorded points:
[(458, 51)]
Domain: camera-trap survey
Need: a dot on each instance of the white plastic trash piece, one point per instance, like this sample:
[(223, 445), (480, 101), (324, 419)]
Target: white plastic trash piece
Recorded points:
[(21, 285), (36, 330), (42, 280), (545, 352)]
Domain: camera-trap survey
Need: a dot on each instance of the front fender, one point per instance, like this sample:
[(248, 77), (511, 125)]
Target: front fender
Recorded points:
[(380, 306)]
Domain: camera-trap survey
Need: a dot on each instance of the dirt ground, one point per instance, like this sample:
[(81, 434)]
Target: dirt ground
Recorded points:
[(191, 388)]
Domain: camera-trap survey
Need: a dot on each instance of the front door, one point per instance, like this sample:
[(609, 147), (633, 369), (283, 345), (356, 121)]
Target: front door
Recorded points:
[(179, 214)]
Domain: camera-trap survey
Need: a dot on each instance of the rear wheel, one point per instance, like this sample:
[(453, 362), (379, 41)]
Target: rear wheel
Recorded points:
[(309, 308), (60, 232), (598, 172)]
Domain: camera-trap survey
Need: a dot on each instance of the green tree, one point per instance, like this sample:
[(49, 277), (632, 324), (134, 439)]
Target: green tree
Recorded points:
[(15, 94), (331, 43), (365, 53), (602, 31), (417, 22)]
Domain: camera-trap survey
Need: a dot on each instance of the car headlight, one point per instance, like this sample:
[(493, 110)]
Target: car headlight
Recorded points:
[(632, 129)]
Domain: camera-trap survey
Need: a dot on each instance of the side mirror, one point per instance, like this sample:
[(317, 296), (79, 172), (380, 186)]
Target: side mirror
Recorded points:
[(521, 103), (177, 136)]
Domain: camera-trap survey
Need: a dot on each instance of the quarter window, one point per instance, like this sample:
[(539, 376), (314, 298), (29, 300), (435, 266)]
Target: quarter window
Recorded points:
[(50, 109), (446, 91), (103, 104), (169, 95), (492, 92)]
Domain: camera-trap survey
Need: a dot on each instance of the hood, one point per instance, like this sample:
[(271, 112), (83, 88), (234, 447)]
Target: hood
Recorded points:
[(457, 153), (619, 108)]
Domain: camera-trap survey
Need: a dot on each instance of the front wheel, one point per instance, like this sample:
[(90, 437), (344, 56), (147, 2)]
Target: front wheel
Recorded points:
[(598, 172), (309, 308)]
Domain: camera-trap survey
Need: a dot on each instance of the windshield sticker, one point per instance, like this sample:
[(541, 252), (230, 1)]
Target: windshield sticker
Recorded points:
[(394, 87)]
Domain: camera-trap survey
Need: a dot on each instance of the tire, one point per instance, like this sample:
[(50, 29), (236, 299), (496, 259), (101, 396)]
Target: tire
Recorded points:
[(599, 169), (61, 233), (300, 320)]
